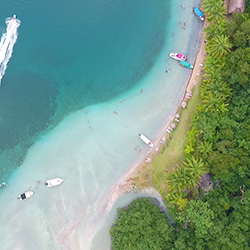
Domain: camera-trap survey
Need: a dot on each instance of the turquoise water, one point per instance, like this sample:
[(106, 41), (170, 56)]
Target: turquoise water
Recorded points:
[(69, 58)]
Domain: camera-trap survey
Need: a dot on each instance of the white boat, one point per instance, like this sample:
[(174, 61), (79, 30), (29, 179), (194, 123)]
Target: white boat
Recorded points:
[(14, 17), (25, 195), (146, 140), (53, 182), (178, 56)]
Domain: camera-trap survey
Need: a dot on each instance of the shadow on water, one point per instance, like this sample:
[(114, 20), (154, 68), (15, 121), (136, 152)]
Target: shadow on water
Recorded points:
[(27, 104)]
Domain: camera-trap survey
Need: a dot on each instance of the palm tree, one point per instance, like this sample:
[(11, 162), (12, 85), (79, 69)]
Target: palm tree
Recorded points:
[(213, 9), (213, 66), (214, 29), (205, 148), (217, 14), (219, 46), (195, 169), (209, 5), (215, 103), (219, 87), (177, 180)]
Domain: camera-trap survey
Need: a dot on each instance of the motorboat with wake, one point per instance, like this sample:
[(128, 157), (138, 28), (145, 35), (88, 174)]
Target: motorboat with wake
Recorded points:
[(53, 182), (25, 195), (178, 56), (146, 140), (14, 16), (199, 14), (186, 64)]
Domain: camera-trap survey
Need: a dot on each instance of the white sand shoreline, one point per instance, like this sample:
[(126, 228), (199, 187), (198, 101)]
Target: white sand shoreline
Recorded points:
[(123, 184)]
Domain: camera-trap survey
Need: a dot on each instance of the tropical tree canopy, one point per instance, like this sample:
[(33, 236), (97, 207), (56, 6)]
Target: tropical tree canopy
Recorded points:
[(219, 46), (142, 226)]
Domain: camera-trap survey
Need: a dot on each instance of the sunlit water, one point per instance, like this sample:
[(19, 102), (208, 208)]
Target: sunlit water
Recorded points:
[(68, 59)]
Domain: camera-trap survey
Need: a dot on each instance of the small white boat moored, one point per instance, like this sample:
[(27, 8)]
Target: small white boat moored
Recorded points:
[(25, 195), (178, 56), (53, 182), (146, 140)]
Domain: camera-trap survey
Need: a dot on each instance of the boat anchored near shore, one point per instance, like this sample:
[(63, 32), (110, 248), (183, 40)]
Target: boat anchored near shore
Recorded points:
[(25, 195), (178, 56), (186, 64), (199, 14), (146, 140), (53, 182)]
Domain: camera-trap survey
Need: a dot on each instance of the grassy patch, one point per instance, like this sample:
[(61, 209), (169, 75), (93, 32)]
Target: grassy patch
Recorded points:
[(173, 152), (169, 155)]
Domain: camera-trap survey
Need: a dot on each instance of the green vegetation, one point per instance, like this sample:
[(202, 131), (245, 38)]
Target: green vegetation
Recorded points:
[(184, 178), (173, 153), (142, 226), (219, 139)]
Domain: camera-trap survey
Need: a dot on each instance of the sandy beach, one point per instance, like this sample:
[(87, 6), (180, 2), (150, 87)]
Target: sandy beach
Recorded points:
[(127, 182)]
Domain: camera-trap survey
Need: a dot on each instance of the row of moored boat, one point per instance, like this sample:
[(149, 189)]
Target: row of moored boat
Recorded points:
[(183, 62), (180, 57), (48, 183)]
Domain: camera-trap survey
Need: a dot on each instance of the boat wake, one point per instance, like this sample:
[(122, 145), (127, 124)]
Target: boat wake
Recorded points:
[(7, 42)]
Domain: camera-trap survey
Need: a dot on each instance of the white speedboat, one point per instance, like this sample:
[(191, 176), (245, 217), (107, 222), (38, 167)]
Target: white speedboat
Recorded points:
[(25, 195), (146, 140), (53, 182), (14, 17), (178, 56)]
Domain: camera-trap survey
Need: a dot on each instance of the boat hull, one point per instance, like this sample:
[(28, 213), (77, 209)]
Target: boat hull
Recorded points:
[(25, 195), (53, 182), (186, 64), (146, 140), (199, 14), (178, 56)]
